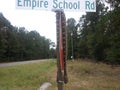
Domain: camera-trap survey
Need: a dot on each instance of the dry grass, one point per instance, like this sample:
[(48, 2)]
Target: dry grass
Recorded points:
[(83, 75)]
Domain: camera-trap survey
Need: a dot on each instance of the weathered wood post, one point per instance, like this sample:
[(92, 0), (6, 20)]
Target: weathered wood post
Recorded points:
[(61, 49)]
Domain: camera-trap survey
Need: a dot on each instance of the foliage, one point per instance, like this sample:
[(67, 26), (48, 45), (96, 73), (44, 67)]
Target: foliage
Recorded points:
[(19, 44), (97, 35)]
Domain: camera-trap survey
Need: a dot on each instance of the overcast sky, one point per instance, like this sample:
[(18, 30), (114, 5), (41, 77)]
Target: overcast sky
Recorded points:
[(39, 20)]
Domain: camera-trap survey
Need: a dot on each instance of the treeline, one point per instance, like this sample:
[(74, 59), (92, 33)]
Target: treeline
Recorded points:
[(19, 44), (97, 35)]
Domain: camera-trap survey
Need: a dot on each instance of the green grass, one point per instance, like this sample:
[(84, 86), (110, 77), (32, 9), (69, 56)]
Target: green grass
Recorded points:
[(25, 77), (82, 75)]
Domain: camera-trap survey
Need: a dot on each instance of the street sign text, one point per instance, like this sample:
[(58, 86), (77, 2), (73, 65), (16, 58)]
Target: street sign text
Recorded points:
[(66, 5)]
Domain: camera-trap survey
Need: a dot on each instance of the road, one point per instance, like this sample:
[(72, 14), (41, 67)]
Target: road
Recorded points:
[(20, 62)]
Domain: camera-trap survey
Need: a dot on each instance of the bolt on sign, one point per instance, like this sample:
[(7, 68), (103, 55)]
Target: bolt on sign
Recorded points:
[(66, 5)]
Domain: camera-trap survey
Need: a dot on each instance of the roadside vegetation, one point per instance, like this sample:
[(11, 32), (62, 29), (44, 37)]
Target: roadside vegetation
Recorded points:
[(25, 77), (97, 35), (83, 75), (18, 44)]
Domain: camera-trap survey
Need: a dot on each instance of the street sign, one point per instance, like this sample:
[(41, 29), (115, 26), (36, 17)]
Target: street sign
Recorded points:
[(66, 5)]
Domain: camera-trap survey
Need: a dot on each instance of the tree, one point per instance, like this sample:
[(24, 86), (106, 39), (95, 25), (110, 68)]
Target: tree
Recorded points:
[(113, 33), (19, 44), (70, 36), (114, 3), (100, 33)]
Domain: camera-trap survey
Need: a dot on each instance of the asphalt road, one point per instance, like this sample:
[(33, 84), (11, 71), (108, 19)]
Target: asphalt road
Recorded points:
[(21, 62)]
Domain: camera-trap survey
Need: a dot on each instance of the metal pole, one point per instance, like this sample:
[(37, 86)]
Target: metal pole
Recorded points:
[(72, 57)]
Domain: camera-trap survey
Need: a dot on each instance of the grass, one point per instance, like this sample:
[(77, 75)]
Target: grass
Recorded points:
[(83, 75), (93, 76), (25, 77)]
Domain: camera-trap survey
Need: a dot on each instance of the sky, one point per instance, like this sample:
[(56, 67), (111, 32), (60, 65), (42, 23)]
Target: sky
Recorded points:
[(42, 21)]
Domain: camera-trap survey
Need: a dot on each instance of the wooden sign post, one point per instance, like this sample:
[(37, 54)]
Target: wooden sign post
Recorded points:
[(61, 49)]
